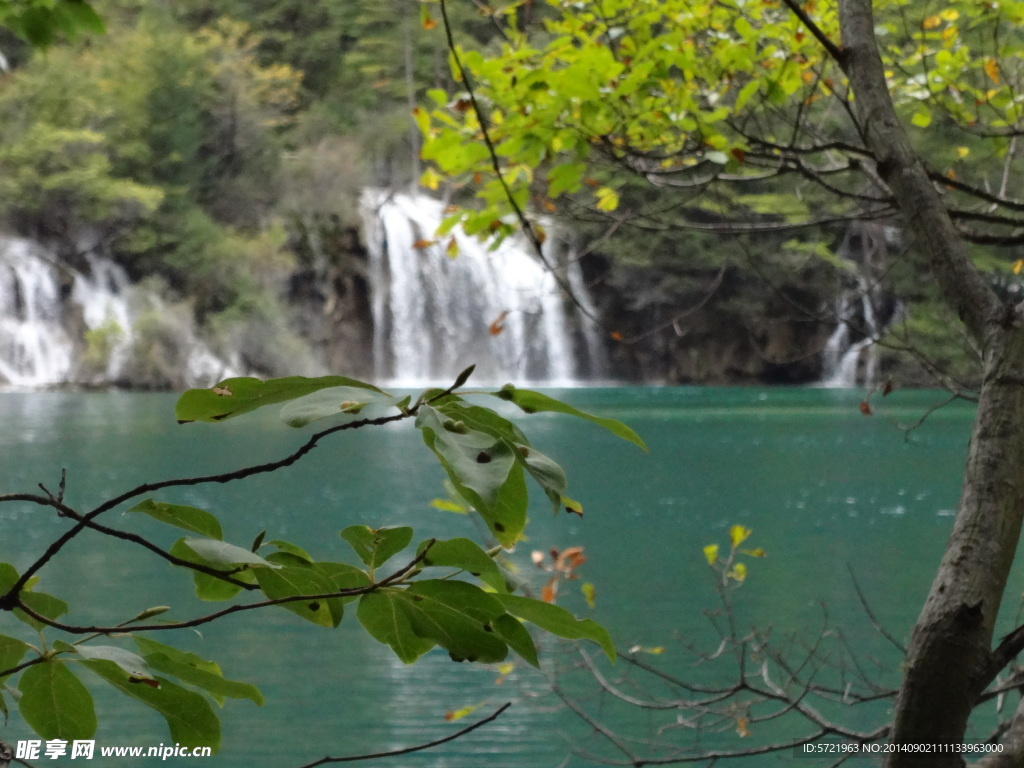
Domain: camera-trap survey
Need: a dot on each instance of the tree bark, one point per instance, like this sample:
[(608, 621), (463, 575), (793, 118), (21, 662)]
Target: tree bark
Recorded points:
[(949, 660)]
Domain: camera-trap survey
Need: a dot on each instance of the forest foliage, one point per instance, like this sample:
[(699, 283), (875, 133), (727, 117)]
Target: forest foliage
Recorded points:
[(200, 144)]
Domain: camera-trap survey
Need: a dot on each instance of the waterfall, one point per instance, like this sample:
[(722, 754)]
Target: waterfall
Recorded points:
[(35, 348), (61, 325), (863, 309), (435, 313), (849, 358)]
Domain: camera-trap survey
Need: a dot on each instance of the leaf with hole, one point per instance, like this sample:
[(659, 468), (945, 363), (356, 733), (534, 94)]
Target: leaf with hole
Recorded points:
[(290, 581), (457, 616), (234, 397), (131, 663), (482, 469), (333, 401), (537, 402), (196, 672), (189, 715)]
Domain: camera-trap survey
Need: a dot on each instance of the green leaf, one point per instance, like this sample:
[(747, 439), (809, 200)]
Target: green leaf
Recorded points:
[(55, 703), (343, 576), (458, 617), (381, 615), (467, 555), (565, 178), (233, 397), (546, 472), (220, 553), (331, 402), (292, 549), (745, 94), (131, 663), (12, 651), (536, 402), (8, 577), (195, 671), (210, 587), (213, 684), (189, 518), (518, 639), (43, 604), (290, 581), (375, 546), (483, 470), (188, 714), (922, 118), (558, 621), (80, 16)]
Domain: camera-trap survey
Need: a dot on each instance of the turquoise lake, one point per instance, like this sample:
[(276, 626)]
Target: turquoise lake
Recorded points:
[(825, 490)]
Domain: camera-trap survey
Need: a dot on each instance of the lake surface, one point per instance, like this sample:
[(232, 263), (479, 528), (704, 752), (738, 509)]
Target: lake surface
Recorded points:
[(825, 490)]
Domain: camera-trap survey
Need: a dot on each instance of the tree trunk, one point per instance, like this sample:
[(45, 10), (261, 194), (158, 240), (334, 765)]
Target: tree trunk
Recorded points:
[(950, 660)]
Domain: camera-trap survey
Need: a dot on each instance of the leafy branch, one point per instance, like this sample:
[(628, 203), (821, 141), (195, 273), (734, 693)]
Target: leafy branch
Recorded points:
[(468, 610)]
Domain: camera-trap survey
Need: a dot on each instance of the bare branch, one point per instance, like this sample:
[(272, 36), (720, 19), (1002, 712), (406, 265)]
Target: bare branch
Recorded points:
[(418, 748)]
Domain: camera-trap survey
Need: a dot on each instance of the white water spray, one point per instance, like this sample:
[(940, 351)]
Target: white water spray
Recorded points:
[(46, 308), (500, 309)]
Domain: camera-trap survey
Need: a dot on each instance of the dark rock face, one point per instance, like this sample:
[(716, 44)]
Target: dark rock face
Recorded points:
[(330, 294), (724, 330)]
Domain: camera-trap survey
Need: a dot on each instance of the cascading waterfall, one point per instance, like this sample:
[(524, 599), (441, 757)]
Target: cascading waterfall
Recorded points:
[(863, 309), (35, 348), (47, 308), (498, 308), (849, 357)]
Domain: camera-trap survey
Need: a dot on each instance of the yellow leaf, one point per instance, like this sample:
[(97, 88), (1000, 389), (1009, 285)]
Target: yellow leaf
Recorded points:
[(931, 22), (758, 552), (711, 553), (950, 14), (426, 21), (457, 714), (738, 534), (656, 650), (504, 670), (1018, 265), (738, 572), (991, 69), (589, 591), (452, 249), (607, 199), (430, 179), (962, 152), (741, 727)]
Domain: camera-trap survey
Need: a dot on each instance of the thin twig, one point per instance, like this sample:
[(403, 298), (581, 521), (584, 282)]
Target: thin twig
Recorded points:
[(418, 748)]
